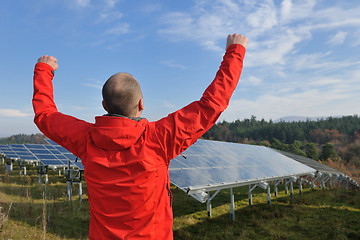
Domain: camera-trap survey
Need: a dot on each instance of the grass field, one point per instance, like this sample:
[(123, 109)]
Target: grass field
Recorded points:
[(27, 212)]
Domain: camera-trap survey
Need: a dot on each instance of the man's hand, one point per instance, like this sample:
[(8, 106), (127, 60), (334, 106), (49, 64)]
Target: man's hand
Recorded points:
[(236, 39), (49, 60)]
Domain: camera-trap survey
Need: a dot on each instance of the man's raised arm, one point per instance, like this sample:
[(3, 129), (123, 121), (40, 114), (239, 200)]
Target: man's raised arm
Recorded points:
[(63, 129), (179, 130)]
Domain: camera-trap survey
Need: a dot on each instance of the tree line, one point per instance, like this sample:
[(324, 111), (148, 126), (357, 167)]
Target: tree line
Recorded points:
[(24, 138)]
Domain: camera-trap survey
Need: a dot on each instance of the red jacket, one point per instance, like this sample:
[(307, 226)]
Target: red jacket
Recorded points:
[(126, 162)]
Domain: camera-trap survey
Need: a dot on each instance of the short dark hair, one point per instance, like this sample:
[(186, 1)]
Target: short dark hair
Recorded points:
[(121, 94)]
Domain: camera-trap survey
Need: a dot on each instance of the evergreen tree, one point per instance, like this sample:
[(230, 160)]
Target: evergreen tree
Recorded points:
[(329, 151), (312, 151)]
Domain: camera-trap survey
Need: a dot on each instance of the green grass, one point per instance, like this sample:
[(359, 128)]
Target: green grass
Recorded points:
[(316, 214)]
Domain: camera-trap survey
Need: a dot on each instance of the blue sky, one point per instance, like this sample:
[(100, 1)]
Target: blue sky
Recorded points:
[(303, 57)]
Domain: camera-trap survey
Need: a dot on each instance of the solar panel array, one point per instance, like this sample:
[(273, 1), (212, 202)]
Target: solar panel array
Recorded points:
[(52, 155), (211, 165)]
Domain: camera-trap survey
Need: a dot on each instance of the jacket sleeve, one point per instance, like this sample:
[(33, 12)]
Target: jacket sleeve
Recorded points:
[(181, 129), (63, 129)]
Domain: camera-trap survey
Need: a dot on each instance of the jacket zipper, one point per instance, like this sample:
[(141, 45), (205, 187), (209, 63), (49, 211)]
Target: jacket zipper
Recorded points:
[(169, 191)]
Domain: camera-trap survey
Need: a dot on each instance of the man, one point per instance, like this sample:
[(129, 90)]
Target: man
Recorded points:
[(126, 158)]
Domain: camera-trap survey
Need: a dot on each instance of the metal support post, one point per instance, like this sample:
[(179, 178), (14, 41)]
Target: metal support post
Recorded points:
[(300, 186), (9, 166), (80, 191), (208, 202), (250, 193), (232, 205), (69, 190), (276, 188), (291, 189), (208, 206), (268, 195)]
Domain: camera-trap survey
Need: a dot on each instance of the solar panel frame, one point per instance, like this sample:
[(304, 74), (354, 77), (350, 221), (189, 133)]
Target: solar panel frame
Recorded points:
[(211, 165)]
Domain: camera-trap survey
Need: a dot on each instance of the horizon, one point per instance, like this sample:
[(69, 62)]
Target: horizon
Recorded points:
[(302, 58), (275, 121)]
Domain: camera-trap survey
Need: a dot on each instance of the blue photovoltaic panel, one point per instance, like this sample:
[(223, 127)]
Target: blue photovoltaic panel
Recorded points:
[(34, 146), (79, 165), (213, 164), (53, 162), (51, 155), (66, 155)]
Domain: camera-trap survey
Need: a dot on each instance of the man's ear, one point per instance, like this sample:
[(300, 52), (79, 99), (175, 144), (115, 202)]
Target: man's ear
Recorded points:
[(104, 106), (141, 105)]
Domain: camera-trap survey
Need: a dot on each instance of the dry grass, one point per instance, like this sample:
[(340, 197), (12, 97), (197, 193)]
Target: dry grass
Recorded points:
[(27, 212)]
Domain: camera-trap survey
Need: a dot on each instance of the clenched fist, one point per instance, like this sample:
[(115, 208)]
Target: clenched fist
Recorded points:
[(236, 39), (49, 60)]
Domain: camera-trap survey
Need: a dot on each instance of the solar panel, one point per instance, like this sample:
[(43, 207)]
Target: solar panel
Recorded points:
[(210, 165), (51, 155), (311, 163)]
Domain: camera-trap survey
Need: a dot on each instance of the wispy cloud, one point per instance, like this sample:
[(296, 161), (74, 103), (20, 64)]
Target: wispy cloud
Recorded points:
[(109, 16), (92, 85), (274, 31), (121, 28), (108, 13), (172, 64), (316, 96), (150, 8), (13, 113), (338, 38), (167, 104), (252, 81), (79, 4)]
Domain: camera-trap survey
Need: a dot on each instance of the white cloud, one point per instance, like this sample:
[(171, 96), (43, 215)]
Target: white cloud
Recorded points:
[(274, 32), (338, 38), (173, 65), (121, 28), (167, 104), (109, 16), (263, 18), (315, 96), (286, 9), (252, 81), (110, 3), (150, 8), (109, 13), (13, 113), (322, 62), (97, 86), (78, 4), (310, 103)]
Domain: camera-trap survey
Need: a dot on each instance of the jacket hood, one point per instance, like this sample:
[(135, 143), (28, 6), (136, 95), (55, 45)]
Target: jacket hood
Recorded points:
[(116, 133)]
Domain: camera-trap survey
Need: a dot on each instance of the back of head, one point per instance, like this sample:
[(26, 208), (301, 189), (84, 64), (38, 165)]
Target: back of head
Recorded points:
[(121, 94)]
